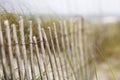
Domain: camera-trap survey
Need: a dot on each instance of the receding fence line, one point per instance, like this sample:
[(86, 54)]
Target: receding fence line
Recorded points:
[(65, 62)]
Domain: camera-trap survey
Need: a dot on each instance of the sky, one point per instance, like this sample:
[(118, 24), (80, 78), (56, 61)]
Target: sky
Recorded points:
[(63, 7)]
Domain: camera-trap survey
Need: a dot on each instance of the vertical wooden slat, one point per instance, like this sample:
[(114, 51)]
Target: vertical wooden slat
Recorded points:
[(72, 42), (81, 39), (19, 63), (42, 48), (74, 53), (3, 56), (31, 51), (71, 71), (92, 46), (64, 50), (86, 65), (59, 52), (67, 40), (7, 28), (21, 25), (85, 48), (81, 45), (38, 57), (51, 59), (78, 64), (54, 53)]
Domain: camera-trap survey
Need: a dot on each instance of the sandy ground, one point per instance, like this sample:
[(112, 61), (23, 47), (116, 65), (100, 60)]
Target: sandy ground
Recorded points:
[(108, 70), (36, 70)]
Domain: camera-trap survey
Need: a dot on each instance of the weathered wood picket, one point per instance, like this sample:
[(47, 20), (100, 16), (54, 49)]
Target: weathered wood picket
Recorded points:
[(70, 61)]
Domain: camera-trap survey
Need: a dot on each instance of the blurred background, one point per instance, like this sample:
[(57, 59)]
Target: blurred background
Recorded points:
[(103, 15)]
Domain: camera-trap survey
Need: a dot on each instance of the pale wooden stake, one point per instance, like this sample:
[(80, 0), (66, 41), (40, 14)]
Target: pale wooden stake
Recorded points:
[(3, 56), (78, 64), (86, 64), (51, 59), (31, 51), (42, 48), (21, 25), (81, 45), (38, 57), (59, 52), (72, 42), (19, 63), (54, 53), (7, 28), (67, 40), (64, 50), (68, 50), (74, 53)]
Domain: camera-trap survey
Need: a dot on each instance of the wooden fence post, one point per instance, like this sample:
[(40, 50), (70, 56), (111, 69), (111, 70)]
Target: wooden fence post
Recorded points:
[(72, 42), (81, 46), (7, 28), (73, 36), (54, 53), (19, 63), (21, 25), (38, 57), (3, 56), (31, 51), (58, 48), (63, 47), (68, 50), (42, 48), (49, 53)]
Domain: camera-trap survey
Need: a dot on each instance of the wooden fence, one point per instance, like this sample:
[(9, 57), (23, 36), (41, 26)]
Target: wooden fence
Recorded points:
[(66, 57)]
